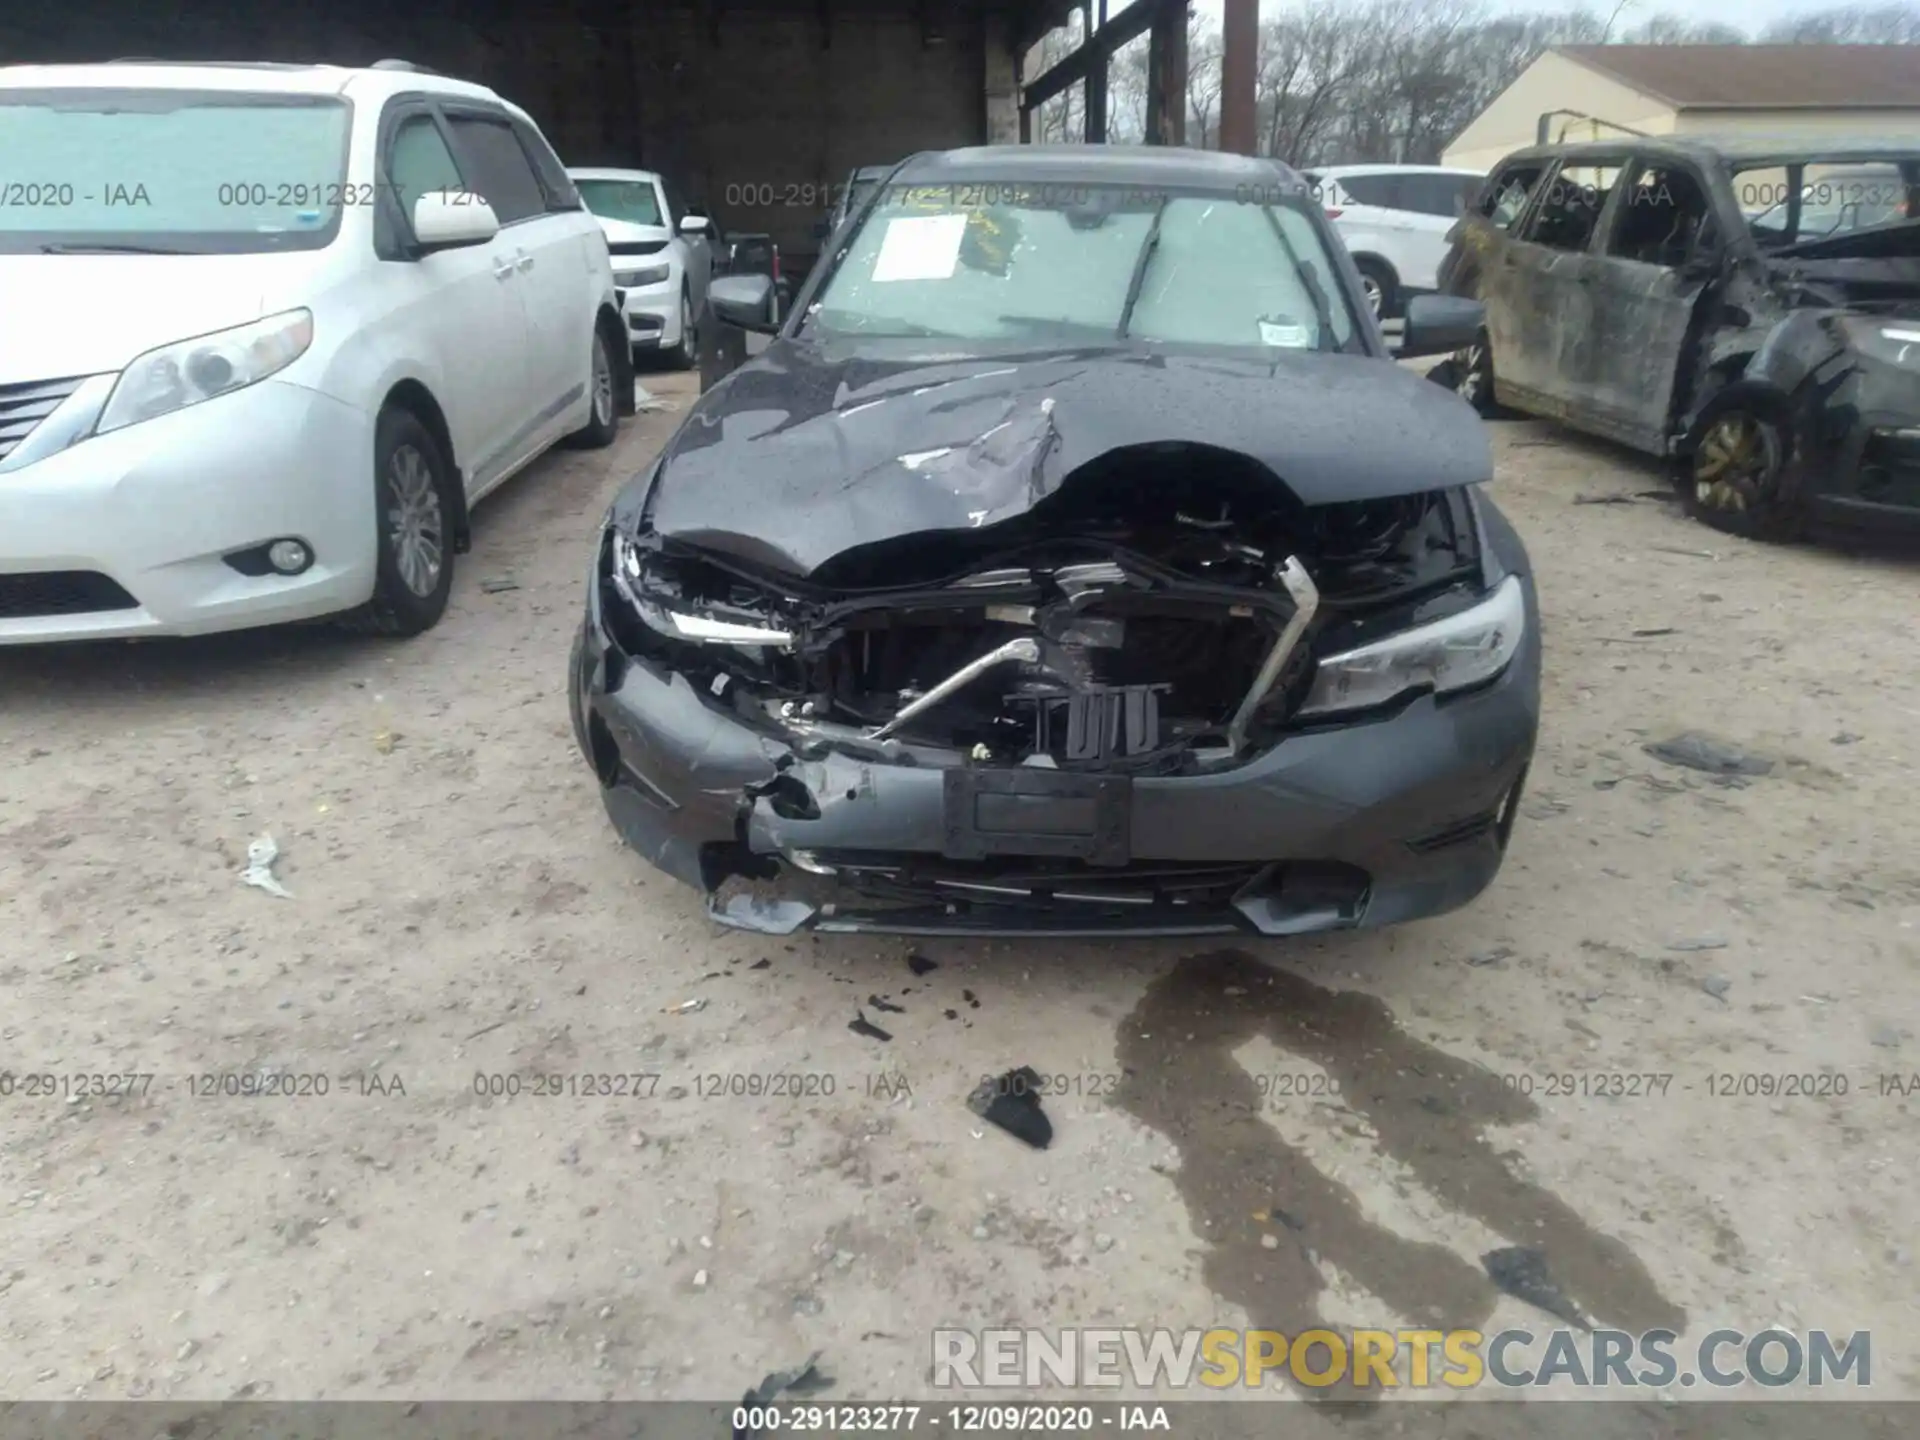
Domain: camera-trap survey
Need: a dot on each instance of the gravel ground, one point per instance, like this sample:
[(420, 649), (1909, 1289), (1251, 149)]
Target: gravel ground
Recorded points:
[(461, 908)]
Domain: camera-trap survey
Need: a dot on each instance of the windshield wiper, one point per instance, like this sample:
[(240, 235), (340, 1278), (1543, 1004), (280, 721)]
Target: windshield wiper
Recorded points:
[(90, 249), (1138, 279)]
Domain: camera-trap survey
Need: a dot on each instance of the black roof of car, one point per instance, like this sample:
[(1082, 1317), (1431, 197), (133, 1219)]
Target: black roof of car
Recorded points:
[(1143, 165), (1737, 149)]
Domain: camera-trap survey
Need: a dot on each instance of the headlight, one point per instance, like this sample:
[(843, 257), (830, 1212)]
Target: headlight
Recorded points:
[(1896, 344), (648, 275), (189, 371), (678, 625), (1456, 653)]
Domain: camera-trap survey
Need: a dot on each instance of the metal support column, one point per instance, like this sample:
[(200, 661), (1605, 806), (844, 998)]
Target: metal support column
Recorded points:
[(1167, 75), (1239, 58)]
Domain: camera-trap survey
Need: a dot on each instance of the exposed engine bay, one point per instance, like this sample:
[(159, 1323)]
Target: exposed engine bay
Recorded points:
[(1160, 613)]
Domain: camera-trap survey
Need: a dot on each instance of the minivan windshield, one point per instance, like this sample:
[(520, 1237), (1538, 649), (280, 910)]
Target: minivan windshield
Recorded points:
[(634, 201), (172, 171), (1088, 263)]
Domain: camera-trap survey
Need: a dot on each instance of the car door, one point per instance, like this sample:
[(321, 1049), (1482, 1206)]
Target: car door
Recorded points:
[(458, 309), (548, 278), (1374, 219), (1553, 306), (1651, 269), (697, 249), (1484, 263)]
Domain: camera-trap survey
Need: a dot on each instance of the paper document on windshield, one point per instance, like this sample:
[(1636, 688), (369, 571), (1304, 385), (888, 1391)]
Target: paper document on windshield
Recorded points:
[(925, 247), (1285, 333)]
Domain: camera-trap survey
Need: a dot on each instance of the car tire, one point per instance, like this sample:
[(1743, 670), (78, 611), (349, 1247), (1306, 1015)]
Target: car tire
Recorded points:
[(413, 530), (1740, 476), (1382, 286), (686, 354), (1469, 374), (603, 411)]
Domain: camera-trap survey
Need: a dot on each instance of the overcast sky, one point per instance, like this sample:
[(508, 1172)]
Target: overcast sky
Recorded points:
[(1750, 15)]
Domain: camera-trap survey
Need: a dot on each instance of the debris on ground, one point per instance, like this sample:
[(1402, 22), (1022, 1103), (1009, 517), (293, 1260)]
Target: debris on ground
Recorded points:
[(386, 740), (1695, 751), (1682, 550), (1013, 1103), (761, 964), (972, 1000), (1846, 737), (881, 1003), (644, 399), (1886, 1037), (803, 1379), (1521, 1271), (686, 1007), (1703, 942), (1497, 956), (860, 1025), (920, 964), (498, 585), (261, 855), (1717, 986), (1603, 499), (1650, 631)]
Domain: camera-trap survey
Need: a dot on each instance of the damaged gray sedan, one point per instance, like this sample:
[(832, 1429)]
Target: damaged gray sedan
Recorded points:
[(1075, 561)]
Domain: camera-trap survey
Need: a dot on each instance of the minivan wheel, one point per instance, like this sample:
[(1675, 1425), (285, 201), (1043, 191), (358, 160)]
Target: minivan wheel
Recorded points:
[(414, 571), (603, 413)]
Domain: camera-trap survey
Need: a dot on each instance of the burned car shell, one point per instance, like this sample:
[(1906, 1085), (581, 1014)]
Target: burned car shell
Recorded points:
[(826, 452), (1658, 356)]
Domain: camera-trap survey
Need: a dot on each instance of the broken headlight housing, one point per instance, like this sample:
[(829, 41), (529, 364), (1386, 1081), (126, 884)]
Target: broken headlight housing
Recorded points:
[(627, 569), (1455, 653)]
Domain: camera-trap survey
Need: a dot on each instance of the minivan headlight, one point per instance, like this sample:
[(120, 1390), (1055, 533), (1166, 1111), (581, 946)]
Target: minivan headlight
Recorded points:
[(1445, 655), (186, 372)]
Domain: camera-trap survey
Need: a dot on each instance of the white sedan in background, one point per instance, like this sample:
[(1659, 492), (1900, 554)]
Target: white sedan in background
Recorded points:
[(662, 257)]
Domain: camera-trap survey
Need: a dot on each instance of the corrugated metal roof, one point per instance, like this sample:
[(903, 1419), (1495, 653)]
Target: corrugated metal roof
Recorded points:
[(1763, 77)]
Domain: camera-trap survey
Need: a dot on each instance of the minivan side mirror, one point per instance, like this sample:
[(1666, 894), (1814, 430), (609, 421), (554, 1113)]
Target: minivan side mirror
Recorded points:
[(1439, 325), (744, 301), (695, 225), (452, 220)]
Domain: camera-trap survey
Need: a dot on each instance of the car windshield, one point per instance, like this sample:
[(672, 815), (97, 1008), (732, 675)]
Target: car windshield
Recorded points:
[(635, 201), (1832, 197), (171, 171), (1089, 263)]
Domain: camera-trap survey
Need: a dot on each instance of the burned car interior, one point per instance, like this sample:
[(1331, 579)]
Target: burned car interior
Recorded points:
[(1031, 582), (1734, 307)]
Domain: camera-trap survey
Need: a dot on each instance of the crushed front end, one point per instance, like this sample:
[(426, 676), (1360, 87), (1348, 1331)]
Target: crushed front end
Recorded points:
[(1170, 699)]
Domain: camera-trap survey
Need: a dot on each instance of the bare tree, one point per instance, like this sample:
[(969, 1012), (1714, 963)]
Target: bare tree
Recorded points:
[(1850, 25)]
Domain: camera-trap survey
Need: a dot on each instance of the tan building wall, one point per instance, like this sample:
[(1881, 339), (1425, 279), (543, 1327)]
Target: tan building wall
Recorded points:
[(1553, 82), (1895, 125)]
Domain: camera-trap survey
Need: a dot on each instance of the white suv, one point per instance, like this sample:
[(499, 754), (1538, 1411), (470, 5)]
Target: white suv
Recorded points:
[(269, 331), (1394, 221)]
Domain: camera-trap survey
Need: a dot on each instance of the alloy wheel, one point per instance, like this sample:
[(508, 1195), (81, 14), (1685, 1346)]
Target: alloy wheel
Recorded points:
[(1735, 463), (416, 528), (602, 384)]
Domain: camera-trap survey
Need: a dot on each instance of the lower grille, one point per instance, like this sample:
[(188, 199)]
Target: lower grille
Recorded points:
[(60, 592), (1458, 833), (25, 405)]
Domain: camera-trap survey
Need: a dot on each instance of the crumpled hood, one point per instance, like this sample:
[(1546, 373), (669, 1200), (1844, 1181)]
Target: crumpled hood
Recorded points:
[(813, 449), (65, 315)]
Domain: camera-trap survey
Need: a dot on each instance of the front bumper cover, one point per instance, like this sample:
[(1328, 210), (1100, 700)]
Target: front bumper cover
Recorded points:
[(1362, 824)]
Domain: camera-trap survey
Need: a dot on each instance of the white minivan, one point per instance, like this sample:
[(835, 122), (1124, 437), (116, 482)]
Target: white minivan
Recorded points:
[(267, 332)]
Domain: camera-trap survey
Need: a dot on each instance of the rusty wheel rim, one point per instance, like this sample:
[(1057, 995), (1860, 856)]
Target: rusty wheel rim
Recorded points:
[(1736, 464)]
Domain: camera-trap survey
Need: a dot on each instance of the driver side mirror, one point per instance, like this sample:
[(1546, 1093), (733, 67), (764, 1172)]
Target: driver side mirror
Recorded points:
[(452, 220), (1439, 325), (745, 301), (695, 225)]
